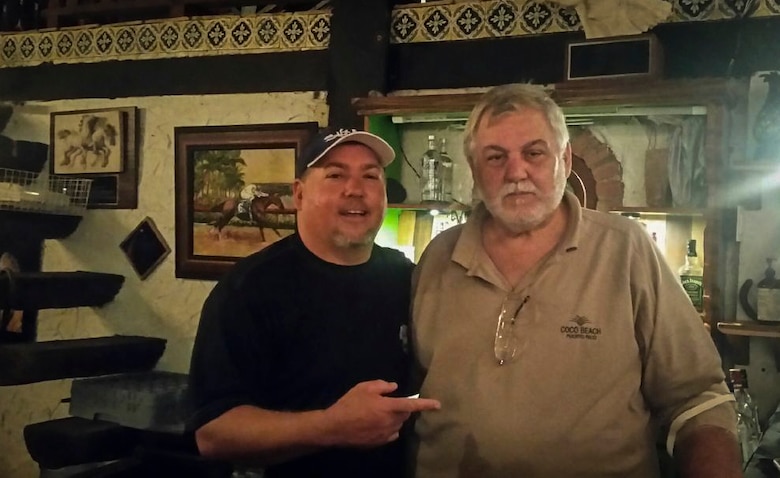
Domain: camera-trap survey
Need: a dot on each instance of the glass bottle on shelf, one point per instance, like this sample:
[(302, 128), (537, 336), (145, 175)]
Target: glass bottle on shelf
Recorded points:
[(768, 292), (446, 172), (430, 177), (692, 276), (748, 427)]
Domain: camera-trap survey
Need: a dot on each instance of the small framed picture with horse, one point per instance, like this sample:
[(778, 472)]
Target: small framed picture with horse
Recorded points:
[(102, 145), (233, 192), (90, 141)]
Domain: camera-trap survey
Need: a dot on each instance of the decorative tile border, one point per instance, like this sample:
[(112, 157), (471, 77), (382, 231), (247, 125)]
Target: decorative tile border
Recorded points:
[(473, 20), (197, 36), (283, 32), (512, 18)]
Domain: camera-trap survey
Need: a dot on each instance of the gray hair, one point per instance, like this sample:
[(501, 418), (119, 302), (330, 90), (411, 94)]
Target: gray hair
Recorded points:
[(514, 98)]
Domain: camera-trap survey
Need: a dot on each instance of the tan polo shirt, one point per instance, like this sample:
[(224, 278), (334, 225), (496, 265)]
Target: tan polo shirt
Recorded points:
[(609, 347)]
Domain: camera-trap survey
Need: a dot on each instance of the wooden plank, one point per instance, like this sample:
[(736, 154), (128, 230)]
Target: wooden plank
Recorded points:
[(227, 74), (627, 93), (358, 43), (58, 290), (75, 440), (747, 329), (41, 361), (36, 224)]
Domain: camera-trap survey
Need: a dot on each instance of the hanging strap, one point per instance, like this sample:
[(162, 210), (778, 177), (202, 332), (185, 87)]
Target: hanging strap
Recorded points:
[(7, 313)]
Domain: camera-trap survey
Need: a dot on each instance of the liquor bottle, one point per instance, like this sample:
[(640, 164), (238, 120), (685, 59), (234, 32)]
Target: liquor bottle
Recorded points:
[(768, 292), (430, 177), (692, 276), (748, 427), (446, 172)]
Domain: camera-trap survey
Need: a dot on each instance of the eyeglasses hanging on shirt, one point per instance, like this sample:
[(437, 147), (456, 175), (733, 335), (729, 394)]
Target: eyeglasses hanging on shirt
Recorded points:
[(507, 344)]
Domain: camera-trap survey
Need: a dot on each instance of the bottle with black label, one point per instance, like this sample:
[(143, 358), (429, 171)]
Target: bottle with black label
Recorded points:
[(692, 276)]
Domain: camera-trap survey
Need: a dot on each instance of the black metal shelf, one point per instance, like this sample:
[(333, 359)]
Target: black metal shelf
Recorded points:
[(58, 290), (40, 225), (40, 361)]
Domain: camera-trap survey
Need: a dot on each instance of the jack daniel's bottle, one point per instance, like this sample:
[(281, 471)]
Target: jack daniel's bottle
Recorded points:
[(692, 276)]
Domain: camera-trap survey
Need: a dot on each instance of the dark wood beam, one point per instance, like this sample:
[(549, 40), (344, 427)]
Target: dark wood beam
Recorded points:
[(358, 55), (267, 72)]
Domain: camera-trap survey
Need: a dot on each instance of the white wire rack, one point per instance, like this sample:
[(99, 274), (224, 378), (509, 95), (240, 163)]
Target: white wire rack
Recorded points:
[(41, 192)]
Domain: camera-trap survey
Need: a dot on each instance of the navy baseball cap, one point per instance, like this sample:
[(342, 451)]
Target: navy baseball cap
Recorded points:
[(329, 138)]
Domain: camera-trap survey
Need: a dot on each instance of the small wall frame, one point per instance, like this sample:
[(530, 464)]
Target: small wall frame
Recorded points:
[(145, 248), (102, 145)]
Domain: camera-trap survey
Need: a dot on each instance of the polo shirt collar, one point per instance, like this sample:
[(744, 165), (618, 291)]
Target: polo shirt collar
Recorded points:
[(469, 253)]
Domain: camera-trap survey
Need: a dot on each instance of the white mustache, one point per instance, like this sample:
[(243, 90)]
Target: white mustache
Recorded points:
[(518, 187)]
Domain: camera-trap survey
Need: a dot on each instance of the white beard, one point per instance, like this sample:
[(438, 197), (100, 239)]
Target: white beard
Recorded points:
[(527, 219)]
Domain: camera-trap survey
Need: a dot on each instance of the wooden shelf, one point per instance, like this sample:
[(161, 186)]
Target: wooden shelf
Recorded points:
[(41, 361), (37, 224), (659, 211), (750, 329), (75, 440), (58, 290), (428, 206)]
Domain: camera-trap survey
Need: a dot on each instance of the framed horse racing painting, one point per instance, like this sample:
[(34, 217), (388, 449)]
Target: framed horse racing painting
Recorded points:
[(233, 192)]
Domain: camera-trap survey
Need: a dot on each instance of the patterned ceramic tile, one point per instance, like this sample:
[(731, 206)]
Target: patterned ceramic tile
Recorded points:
[(694, 9), (773, 6), (230, 35), (502, 18), (403, 25), (511, 18), (469, 21), (435, 23), (224, 35), (536, 17), (737, 8), (319, 31)]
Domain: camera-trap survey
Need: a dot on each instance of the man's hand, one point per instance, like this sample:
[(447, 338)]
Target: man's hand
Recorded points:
[(365, 417)]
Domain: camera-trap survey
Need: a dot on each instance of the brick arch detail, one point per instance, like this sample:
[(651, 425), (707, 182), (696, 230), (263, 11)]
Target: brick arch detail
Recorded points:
[(599, 170)]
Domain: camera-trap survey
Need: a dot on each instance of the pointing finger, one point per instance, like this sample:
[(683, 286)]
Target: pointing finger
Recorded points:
[(415, 405)]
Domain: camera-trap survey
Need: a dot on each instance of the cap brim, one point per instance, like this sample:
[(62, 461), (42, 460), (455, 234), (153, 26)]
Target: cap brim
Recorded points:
[(380, 147)]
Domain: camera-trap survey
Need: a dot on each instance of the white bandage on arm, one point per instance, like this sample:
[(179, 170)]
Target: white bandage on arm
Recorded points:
[(682, 418)]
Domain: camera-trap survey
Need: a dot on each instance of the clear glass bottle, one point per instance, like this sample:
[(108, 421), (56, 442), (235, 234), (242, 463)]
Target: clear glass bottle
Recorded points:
[(446, 172), (430, 175), (748, 427), (692, 276)]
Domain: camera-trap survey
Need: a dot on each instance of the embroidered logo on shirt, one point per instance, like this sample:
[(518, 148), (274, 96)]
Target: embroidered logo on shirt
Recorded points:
[(582, 329)]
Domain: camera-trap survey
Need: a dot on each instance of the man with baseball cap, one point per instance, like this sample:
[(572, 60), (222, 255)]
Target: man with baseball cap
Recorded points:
[(301, 356)]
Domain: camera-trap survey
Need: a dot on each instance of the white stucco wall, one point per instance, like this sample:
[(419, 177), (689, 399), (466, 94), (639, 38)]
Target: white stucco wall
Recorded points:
[(161, 305), (759, 237)]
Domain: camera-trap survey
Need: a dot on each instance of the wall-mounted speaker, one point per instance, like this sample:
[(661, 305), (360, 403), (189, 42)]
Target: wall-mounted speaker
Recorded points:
[(638, 56)]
